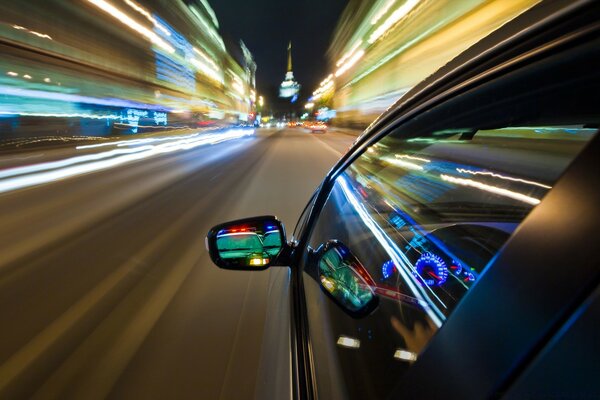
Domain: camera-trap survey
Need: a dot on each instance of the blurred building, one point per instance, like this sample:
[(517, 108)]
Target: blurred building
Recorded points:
[(117, 66), (382, 48)]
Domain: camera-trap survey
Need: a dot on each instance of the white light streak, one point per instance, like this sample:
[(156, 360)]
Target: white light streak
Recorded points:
[(55, 171), (382, 11), (206, 58), (148, 16), (491, 189), (353, 60), (403, 164), (12, 73), (41, 35), (425, 160), (508, 178), (393, 19), (349, 54), (127, 20)]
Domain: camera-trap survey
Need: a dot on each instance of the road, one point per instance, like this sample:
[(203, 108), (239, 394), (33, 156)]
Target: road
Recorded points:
[(106, 289)]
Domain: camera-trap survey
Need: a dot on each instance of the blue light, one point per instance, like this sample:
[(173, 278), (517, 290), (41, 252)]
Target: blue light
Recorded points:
[(387, 269), (431, 270)]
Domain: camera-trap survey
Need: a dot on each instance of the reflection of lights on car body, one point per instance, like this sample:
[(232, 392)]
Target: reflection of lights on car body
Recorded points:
[(258, 261), (349, 342), (405, 355)]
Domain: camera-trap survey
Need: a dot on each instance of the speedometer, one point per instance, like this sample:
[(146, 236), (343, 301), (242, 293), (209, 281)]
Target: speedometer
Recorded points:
[(430, 269)]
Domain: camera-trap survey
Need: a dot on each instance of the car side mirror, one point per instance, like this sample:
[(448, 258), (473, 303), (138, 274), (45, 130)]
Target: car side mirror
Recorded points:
[(345, 280), (247, 244)]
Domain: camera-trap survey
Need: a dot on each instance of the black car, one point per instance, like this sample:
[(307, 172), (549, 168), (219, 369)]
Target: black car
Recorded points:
[(451, 253)]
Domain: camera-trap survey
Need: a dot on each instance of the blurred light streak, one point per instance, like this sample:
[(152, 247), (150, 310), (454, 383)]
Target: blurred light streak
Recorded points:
[(47, 166), (41, 35), (210, 12), (412, 157), (27, 76), (393, 19), (148, 16), (75, 98), (206, 70), (396, 52), (348, 54), (61, 115), (206, 58), (400, 260), (382, 11), (34, 179), (491, 189), (211, 30), (11, 73), (403, 164), (353, 60), (495, 175), (127, 20)]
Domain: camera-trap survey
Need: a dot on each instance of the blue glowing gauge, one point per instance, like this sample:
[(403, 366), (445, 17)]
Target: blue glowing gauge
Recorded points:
[(431, 270), (456, 268), (387, 269)]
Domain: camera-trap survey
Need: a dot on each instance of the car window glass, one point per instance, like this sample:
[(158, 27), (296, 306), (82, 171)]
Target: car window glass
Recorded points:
[(425, 215)]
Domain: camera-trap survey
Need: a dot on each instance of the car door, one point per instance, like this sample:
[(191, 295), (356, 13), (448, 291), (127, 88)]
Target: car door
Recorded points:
[(429, 217)]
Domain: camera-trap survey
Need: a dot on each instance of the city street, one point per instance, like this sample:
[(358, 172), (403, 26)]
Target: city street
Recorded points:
[(106, 288)]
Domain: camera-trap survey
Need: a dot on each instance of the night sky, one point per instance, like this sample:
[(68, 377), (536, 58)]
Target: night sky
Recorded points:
[(266, 26)]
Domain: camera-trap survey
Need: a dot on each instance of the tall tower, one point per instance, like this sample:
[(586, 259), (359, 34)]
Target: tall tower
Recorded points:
[(289, 67), (289, 87)]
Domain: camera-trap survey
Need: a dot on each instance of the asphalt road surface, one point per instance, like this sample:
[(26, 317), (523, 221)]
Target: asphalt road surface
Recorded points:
[(106, 289)]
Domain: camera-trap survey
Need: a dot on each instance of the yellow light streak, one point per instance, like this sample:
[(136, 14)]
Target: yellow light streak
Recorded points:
[(349, 54), (353, 60), (132, 24), (382, 11), (393, 19), (148, 16)]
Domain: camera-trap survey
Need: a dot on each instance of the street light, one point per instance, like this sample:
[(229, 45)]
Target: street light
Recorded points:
[(261, 101)]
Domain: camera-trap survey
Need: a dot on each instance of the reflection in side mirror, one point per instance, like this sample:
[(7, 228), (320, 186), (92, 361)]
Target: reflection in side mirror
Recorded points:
[(345, 280), (246, 244)]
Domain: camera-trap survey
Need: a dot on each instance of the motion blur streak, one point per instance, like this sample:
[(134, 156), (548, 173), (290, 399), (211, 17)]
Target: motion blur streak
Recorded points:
[(63, 169), (127, 20), (492, 189), (403, 42), (107, 291), (508, 178)]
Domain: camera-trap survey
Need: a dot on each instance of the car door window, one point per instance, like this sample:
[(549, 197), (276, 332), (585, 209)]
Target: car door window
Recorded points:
[(424, 215)]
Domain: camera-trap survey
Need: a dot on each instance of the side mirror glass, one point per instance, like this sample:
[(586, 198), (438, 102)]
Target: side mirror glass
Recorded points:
[(345, 280), (246, 244)]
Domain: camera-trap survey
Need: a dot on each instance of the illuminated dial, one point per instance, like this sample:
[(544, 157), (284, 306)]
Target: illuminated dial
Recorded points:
[(387, 269), (456, 268), (431, 270)]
